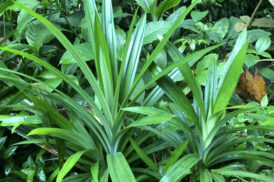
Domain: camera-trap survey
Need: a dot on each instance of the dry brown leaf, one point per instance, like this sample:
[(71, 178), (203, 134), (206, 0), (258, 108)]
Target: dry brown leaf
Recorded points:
[(238, 27), (252, 87), (258, 87), (249, 81)]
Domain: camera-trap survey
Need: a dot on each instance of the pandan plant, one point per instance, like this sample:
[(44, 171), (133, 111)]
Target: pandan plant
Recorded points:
[(200, 133), (99, 138)]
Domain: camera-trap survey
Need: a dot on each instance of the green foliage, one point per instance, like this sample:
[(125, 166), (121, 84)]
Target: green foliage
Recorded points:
[(132, 86)]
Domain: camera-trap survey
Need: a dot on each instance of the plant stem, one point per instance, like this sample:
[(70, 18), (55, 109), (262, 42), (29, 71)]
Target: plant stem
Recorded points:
[(266, 60), (254, 12)]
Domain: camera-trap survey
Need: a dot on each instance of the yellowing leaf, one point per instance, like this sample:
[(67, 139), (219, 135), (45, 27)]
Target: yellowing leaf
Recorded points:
[(238, 27)]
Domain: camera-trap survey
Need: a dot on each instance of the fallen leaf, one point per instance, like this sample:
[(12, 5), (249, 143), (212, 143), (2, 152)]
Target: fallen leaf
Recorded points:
[(251, 86), (258, 86)]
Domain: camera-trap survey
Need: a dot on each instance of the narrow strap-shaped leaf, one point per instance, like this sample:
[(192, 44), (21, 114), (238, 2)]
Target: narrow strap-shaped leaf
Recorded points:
[(166, 134), (109, 29), (180, 99), (159, 47), (105, 176), (90, 11), (67, 102), (143, 155), (103, 62), (95, 172), (122, 67), (231, 73), (188, 76), (151, 119), (82, 64), (68, 165), (67, 135), (145, 110), (65, 78), (176, 154), (210, 88), (53, 175), (230, 172), (244, 154), (132, 57), (119, 169), (217, 178), (5, 5), (180, 169), (194, 56), (205, 176), (165, 5)]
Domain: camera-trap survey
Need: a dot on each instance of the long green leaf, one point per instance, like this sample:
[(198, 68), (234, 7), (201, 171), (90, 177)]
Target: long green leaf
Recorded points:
[(240, 173), (205, 176), (121, 71), (231, 73), (68, 165), (158, 49), (103, 62), (210, 88), (191, 57), (82, 64), (67, 102), (119, 169), (152, 119), (132, 57), (95, 171), (143, 155), (180, 169), (188, 77), (176, 154), (67, 135), (69, 81), (145, 110), (165, 5), (180, 99), (109, 29), (5, 5)]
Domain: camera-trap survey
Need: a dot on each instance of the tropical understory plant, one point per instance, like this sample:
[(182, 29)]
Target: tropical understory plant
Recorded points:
[(102, 138)]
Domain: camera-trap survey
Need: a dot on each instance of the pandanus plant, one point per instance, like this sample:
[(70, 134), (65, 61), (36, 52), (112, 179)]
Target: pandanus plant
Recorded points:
[(201, 124), (94, 138), (98, 139)]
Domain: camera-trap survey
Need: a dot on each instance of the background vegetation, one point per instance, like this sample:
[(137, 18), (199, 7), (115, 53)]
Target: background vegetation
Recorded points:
[(136, 90)]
